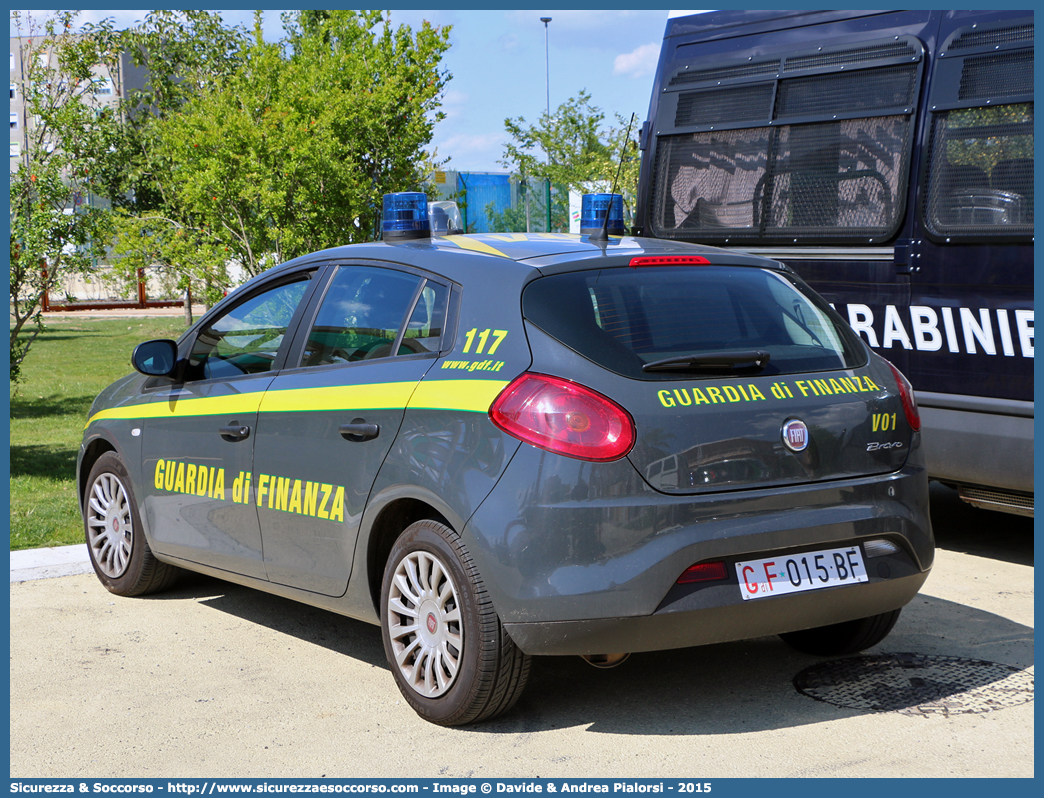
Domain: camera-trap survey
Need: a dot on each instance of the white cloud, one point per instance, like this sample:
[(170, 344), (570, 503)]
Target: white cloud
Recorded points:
[(473, 141), (470, 151), (125, 19), (638, 63), (509, 41), (415, 19), (587, 29), (33, 21), (571, 21), (452, 97), (454, 103)]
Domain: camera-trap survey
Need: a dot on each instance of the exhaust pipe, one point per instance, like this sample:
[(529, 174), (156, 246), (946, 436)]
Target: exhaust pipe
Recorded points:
[(605, 661)]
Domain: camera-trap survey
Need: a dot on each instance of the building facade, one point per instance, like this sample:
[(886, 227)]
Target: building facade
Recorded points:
[(109, 87)]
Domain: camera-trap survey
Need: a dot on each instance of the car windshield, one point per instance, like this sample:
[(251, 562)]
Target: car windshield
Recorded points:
[(690, 322)]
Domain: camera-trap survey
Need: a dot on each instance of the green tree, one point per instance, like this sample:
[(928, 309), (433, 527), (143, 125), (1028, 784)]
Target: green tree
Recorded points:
[(292, 152), (512, 220), (181, 256), (68, 169), (576, 151), (183, 53)]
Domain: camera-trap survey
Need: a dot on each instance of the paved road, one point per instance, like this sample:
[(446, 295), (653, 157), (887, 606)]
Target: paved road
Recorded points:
[(214, 680)]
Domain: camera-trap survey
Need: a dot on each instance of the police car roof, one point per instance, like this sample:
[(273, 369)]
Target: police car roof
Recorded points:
[(546, 252)]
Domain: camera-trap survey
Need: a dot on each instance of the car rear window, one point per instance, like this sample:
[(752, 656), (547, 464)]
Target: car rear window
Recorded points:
[(624, 318)]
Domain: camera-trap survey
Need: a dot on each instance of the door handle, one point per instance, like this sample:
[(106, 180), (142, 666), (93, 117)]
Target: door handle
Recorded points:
[(234, 432), (359, 430)]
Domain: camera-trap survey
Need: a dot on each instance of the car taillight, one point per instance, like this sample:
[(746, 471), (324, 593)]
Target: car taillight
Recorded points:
[(906, 394), (563, 417)]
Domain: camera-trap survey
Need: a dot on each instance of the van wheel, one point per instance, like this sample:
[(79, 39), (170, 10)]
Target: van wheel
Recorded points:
[(843, 638), (116, 541), (450, 656)]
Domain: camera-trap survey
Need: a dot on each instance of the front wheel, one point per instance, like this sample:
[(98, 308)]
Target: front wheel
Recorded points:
[(848, 637), (116, 541), (450, 656)]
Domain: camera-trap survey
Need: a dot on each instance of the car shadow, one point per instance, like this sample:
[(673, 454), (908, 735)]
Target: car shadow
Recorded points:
[(729, 688), (745, 686), (338, 633)]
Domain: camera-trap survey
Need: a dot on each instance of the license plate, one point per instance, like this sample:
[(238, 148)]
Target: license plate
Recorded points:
[(794, 573)]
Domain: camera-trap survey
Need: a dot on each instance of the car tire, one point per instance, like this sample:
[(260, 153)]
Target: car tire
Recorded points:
[(450, 656), (843, 638), (115, 537)]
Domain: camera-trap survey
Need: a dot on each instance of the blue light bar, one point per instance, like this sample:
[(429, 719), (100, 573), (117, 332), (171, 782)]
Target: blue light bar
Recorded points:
[(405, 216), (593, 208)]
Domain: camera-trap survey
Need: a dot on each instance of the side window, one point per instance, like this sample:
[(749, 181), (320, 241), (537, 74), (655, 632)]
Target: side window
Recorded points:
[(246, 339), (979, 180), (980, 173), (363, 311)]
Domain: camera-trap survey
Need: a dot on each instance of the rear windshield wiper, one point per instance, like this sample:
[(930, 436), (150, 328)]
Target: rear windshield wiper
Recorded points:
[(738, 360)]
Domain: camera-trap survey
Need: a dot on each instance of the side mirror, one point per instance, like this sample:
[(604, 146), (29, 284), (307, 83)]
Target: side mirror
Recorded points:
[(156, 358)]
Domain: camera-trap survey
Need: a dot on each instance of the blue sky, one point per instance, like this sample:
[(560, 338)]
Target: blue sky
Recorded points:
[(497, 62)]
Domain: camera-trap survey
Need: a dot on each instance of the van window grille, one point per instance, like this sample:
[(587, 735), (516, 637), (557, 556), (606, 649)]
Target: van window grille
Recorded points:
[(852, 55), (978, 39), (997, 75), (744, 70), (801, 173), (710, 181), (980, 172), (738, 104), (848, 92), (824, 181)]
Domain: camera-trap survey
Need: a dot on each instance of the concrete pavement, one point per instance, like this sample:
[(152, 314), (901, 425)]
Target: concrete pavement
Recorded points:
[(211, 679), (48, 563)]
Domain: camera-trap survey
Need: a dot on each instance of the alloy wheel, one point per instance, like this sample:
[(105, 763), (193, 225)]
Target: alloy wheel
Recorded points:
[(110, 526), (424, 624)]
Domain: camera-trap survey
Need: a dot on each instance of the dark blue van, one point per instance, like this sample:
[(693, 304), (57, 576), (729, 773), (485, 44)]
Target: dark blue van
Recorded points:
[(887, 157)]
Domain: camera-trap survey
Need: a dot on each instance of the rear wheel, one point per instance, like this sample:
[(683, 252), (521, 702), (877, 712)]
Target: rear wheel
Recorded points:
[(449, 653), (843, 638), (116, 541)]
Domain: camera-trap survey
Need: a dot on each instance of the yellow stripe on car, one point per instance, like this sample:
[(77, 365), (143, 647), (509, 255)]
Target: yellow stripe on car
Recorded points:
[(465, 242), (378, 395), (509, 236), (184, 407), (473, 395), (470, 395)]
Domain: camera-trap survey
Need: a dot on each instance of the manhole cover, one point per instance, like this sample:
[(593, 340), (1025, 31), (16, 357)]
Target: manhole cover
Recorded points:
[(916, 684)]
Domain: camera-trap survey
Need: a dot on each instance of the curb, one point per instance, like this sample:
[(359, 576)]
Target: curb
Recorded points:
[(49, 563)]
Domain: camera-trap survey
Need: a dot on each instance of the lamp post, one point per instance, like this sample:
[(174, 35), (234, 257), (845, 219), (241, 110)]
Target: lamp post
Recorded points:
[(547, 89)]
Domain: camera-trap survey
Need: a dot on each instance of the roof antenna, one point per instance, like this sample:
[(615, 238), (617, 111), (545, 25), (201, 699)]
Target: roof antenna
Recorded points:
[(603, 233)]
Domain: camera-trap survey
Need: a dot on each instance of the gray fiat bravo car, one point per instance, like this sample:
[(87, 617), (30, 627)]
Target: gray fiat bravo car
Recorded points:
[(506, 445)]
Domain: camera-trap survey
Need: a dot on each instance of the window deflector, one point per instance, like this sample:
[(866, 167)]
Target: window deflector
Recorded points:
[(406, 318)]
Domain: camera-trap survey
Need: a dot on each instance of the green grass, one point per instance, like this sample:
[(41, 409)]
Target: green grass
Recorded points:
[(67, 367)]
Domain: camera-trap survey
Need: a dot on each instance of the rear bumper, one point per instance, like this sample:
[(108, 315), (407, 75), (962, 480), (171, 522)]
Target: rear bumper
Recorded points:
[(680, 627), (590, 562)]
